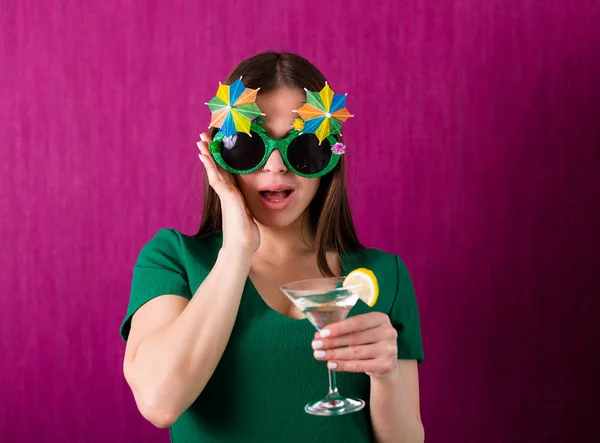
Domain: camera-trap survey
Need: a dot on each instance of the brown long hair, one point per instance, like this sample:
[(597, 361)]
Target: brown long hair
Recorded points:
[(330, 216)]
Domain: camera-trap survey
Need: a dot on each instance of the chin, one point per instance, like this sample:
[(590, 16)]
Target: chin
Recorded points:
[(275, 220)]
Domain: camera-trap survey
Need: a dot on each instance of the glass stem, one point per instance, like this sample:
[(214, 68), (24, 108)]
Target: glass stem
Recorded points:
[(333, 390)]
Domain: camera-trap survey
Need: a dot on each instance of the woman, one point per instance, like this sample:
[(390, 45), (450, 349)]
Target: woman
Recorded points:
[(215, 350)]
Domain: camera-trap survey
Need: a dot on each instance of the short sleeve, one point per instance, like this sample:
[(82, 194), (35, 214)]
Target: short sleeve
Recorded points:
[(158, 270), (404, 315)]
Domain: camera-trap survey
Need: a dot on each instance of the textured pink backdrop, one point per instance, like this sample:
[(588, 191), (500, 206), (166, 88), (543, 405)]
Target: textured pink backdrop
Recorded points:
[(472, 155)]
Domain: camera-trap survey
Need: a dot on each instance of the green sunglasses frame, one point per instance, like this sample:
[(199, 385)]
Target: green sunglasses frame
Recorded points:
[(270, 145)]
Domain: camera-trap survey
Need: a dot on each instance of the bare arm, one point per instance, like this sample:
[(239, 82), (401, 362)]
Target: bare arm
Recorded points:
[(395, 405), (174, 345)]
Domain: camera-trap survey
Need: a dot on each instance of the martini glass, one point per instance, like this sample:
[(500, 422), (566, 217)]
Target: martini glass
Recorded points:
[(324, 301)]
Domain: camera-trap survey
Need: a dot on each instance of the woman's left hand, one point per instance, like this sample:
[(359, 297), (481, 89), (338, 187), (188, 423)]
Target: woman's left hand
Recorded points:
[(363, 343)]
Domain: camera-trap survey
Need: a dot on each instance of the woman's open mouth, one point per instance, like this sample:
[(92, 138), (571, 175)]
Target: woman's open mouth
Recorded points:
[(276, 196), (276, 199)]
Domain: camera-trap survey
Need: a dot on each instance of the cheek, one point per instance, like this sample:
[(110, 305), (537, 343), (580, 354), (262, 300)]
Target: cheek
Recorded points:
[(245, 183), (310, 187), (247, 188)]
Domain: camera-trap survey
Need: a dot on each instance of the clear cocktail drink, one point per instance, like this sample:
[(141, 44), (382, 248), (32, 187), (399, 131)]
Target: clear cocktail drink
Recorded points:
[(324, 301)]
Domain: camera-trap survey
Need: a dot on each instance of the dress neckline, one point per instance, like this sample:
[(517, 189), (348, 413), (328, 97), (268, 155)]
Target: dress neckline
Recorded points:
[(349, 261)]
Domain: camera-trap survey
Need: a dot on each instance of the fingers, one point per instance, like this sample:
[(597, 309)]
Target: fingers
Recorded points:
[(374, 366), (354, 324), (203, 147), (367, 336), (375, 358), (363, 352), (214, 176), (225, 175), (208, 161), (364, 343)]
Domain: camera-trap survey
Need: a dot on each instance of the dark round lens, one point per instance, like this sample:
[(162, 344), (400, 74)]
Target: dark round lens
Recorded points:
[(307, 156), (242, 152)]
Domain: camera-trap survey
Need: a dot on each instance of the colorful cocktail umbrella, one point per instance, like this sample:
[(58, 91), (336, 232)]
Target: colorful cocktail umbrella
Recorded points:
[(233, 108), (324, 112)]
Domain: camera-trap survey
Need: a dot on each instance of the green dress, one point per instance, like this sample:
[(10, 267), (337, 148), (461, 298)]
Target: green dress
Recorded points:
[(267, 373)]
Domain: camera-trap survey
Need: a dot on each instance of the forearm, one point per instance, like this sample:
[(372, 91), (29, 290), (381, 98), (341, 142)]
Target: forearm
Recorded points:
[(172, 365), (393, 417)]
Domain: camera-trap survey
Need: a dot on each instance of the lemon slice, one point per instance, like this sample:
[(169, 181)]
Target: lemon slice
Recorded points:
[(366, 282)]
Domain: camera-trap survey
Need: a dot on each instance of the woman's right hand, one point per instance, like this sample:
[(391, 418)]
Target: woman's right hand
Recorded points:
[(240, 231)]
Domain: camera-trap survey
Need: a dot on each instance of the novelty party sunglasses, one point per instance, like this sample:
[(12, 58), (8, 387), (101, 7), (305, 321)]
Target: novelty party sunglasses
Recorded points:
[(242, 145), (302, 153)]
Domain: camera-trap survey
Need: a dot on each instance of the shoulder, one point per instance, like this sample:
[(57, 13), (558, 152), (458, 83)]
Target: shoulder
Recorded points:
[(379, 257), (397, 299), (393, 278), (386, 263), (174, 238), (168, 245)]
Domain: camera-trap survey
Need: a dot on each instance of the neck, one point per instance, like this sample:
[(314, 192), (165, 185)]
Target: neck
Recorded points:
[(288, 241)]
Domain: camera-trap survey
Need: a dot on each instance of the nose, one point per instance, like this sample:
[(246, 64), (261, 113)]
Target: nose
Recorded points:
[(275, 163)]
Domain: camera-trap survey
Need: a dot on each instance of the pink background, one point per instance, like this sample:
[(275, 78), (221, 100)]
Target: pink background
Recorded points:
[(472, 155)]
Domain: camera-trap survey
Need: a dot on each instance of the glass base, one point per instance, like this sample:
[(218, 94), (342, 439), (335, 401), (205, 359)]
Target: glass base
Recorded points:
[(335, 404)]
